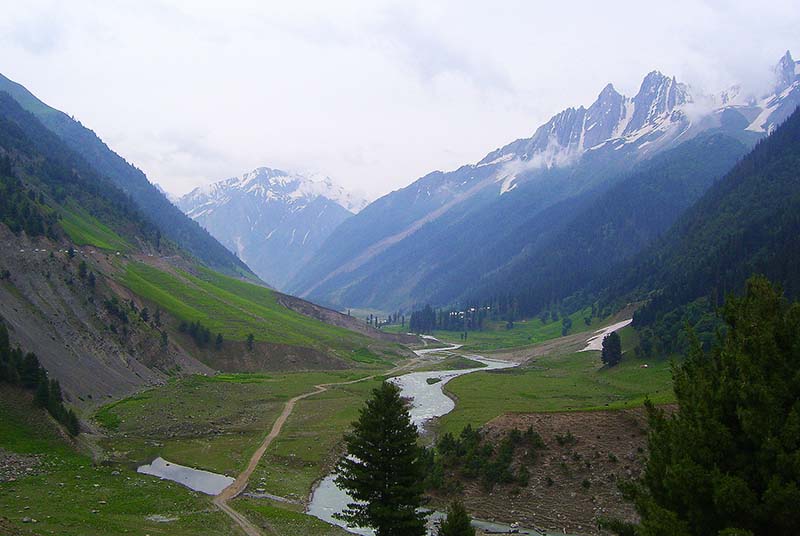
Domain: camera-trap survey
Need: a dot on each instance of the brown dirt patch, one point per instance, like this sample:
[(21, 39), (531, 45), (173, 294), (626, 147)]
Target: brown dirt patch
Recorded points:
[(572, 484), (335, 318), (271, 356)]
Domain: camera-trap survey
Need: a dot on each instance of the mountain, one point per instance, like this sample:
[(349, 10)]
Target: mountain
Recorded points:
[(89, 286), (273, 220), (613, 226), (431, 240), (169, 220), (748, 222)]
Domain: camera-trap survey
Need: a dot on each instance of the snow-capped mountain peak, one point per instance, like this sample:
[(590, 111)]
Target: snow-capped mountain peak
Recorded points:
[(274, 220), (273, 185), (662, 113)]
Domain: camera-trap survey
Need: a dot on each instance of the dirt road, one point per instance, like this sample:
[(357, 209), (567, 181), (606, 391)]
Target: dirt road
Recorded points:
[(239, 485)]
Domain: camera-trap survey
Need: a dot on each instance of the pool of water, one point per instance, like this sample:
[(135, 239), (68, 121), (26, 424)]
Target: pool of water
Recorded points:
[(196, 479)]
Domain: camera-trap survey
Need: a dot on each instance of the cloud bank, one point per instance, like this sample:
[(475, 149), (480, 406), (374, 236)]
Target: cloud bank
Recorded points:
[(373, 94)]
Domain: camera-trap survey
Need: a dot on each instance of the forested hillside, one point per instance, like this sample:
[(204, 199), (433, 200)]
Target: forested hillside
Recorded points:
[(479, 229), (152, 204), (748, 222), (56, 177), (614, 226)]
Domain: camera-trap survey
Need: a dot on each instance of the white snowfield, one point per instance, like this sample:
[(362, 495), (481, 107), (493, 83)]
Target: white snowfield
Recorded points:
[(595, 342)]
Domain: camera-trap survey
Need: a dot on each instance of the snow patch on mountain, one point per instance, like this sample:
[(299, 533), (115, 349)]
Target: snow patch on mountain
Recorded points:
[(663, 113)]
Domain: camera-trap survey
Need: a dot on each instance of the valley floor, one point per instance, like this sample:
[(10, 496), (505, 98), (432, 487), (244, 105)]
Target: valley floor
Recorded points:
[(215, 423)]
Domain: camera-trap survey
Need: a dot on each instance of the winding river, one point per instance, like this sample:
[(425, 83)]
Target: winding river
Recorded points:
[(428, 401)]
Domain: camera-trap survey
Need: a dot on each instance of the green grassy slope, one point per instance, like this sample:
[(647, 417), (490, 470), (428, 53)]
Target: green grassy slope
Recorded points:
[(213, 423), (569, 382), (86, 230), (69, 495), (236, 308)]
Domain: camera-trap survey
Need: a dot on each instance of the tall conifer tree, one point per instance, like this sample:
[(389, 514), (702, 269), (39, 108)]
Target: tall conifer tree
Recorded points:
[(382, 470)]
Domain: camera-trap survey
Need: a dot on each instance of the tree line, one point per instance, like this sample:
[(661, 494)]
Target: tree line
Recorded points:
[(24, 370)]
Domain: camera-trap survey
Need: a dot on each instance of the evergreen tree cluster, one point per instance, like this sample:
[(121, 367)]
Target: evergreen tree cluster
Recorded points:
[(473, 456), (427, 319), (377, 321), (199, 333), (457, 522), (24, 370), (116, 309), (748, 222), (21, 208), (728, 461)]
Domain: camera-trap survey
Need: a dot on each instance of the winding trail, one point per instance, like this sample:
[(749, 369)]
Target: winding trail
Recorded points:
[(239, 485)]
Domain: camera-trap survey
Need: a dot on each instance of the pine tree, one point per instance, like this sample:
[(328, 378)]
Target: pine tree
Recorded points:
[(72, 424), (612, 349), (383, 470), (29, 372), (250, 340), (727, 461), (42, 397), (457, 522)]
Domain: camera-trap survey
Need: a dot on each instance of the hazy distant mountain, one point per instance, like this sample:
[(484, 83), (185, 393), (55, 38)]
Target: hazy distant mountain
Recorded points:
[(431, 240), (273, 220)]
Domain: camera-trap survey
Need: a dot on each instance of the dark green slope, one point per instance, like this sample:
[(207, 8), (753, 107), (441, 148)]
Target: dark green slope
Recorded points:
[(42, 180), (748, 222), (613, 226), (171, 222)]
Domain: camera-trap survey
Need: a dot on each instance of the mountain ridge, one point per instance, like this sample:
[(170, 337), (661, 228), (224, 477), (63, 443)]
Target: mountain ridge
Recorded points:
[(566, 158)]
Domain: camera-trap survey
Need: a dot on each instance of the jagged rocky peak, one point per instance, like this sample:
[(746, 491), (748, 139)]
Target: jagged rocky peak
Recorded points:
[(654, 119), (786, 72), (604, 116), (658, 96)]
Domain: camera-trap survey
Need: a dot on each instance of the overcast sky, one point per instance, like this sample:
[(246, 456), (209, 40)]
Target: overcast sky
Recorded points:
[(374, 94)]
